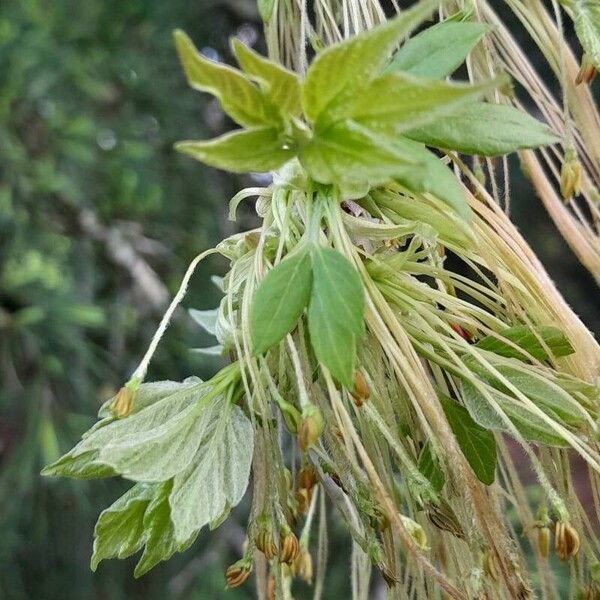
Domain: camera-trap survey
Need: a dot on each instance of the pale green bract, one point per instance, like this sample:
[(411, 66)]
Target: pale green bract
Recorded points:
[(587, 26), (190, 452)]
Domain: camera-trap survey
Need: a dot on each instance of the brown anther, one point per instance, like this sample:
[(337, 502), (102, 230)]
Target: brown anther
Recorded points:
[(303, 498), (489, 566), (360, 391), (289, 547), (123, 402), (307, 478), (566, 540), (310, 427), (544, 540), (265, 543), (238, 573)]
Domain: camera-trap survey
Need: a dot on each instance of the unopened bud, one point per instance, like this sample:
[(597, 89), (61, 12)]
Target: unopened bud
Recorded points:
[(303, 566), (238, 573), (310, 428), (360, 391), (307, 478), (388, 575), (264, 540), (544, 540), (291, 415), (570, 176), (123, 402), (587, 71), (303, 498), (443, 517), (566, 540), (489, 566), (379, 520), (289, 547)]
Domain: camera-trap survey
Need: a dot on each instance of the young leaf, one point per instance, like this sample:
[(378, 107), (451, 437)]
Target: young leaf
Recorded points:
[(439, 50), (162, 412), (398, 102), (239, 97), (219, 476), (587, 26), (477, 444), (350, 156), (242, 151), (335, 313), (207, 319), (340, 72), (484, 129), (434, 178), (265, 9), (429, 466), (281, 87), (523, 337), (119, 532), (280, 299)]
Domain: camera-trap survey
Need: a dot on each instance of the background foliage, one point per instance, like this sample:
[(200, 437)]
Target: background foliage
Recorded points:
[(98, 218)]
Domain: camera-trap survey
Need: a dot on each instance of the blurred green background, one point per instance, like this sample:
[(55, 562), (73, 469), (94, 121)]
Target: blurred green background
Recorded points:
[(99, 218)]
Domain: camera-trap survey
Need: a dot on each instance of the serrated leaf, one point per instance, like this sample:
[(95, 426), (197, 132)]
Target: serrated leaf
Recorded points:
[(335, 313), (161, 411), (355, 159), (242, 151), (239, 97), (207, 319), (429, 466), (587, 27), (477, 444), (279, 300), (280, 86), (439, 50), (523, 337), (119, 532), (219, 476), (484, 129), (397, 102), (340, 72)]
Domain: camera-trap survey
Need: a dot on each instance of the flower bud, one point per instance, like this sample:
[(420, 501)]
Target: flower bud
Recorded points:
[(289, 547), (123, 402), (307, 478), (587, 71), (544, 540), (360, 391), (379, 520), (291, 415), (388, 575), (570, 176), (489, 566), (443, 517), (303, 566), (238, 572), (264, 541), (303, 498), (310, 427), (566, 540)]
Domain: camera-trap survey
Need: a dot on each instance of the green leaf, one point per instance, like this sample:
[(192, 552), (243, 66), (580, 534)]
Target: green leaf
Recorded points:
[(522, 336), (279, 300), (242, 151), (280, 86), (484, 129), (439, 50), (265, 9), (434, 178), (429, 466), (340, 72), (355, 159), (335, 313), (398, 102), (587, 26), (207, 319), (477, 444), (218, 477), (152, 444), (239, 97)]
